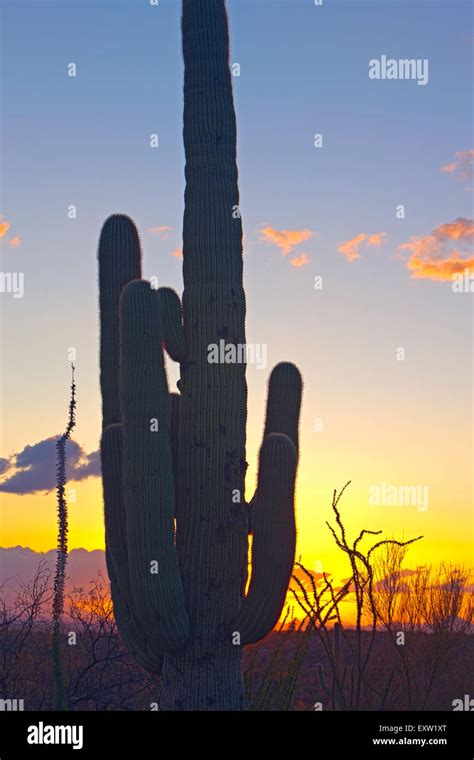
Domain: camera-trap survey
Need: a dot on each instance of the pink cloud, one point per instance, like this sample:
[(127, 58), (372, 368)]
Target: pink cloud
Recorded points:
[(462, 166), (460, 229), (433, 258), (376, 239), (300, 261), (163, 230), (351, 248), (285, 240), (15, 242)]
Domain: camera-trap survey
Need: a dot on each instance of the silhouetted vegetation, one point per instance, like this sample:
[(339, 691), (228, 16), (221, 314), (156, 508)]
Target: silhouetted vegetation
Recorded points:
[(410, 646), (58, 598)]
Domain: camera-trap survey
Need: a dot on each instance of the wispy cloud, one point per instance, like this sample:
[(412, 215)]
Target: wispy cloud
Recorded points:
[(462, 166), (351, 248), (285, 240), (460, 229), (376, 239), (162, 230), (34, 468), (299, 261), (433, 256), (15, 242)]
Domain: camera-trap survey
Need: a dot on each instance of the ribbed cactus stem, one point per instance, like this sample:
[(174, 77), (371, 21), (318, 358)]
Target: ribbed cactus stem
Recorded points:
[(212, 232), (284, 402), (145, 650), (272, 555), (149, 493), (211, 519), (119, 262), (173, 334)]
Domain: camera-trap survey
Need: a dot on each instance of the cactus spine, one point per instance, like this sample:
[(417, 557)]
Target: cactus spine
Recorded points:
[(174, 465)]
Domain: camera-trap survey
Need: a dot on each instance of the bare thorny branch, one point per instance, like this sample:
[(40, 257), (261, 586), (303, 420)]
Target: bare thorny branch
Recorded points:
[(375, 585)]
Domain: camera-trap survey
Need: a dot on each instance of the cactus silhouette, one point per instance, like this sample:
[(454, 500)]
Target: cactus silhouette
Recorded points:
[(174, 465)]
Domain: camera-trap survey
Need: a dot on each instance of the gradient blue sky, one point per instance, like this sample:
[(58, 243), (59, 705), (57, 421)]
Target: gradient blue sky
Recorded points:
[(84, 141)]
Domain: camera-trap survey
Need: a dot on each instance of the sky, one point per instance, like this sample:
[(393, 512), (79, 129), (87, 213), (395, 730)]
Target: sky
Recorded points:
[(382, 339)]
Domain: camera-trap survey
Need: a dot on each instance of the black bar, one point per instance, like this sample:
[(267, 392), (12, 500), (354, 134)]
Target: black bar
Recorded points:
[(111, 734)]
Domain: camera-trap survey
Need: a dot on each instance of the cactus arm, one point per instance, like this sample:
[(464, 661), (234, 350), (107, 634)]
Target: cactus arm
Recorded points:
[(119, 262), (284, 402), (119, 258), (149, 494), (283, 411), (150, 659), (272, 509), (274, 541), (116, 553), (173, 333)]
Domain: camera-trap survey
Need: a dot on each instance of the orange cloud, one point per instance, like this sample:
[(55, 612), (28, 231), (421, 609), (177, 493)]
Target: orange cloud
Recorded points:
[(163, 230), (376, 239), (351, 248), (286, 240), (4, 227), (462, 166), (300, 261), (444, 269), (460, 229), (177, 253), (431, 257), (15, 241)]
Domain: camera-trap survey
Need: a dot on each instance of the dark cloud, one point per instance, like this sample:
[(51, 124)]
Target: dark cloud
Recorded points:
[(35, 466), (90, 466)]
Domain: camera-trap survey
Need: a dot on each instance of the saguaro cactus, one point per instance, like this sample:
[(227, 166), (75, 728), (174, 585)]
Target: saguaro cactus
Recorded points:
[(174, 465)]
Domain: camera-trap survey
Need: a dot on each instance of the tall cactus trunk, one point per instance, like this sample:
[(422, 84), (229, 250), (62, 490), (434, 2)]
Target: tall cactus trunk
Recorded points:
[(174, 465), (212, 521)]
